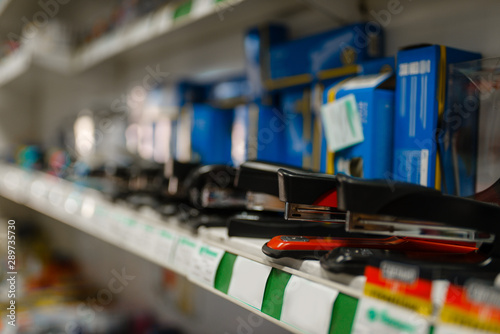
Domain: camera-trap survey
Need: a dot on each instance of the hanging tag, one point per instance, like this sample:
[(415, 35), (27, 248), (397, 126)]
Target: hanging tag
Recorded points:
[(342, 123)]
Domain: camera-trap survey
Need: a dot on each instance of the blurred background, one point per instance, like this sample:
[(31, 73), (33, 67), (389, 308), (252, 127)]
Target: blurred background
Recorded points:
[(109, 93)]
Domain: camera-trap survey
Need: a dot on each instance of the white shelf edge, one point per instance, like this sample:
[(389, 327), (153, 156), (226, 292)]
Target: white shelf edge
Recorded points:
[(44, 206), (151, 26), (250, 308), (3, 6), (120, 40)]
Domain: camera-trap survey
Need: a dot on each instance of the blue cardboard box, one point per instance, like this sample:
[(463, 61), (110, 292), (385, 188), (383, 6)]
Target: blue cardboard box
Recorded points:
[(257, 43), (374, 95), (420, 101), (258, 134), (309, 57), (298, 116), (204, 134)]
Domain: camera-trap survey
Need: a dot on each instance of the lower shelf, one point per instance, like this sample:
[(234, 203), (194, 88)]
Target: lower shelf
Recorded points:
[(297, 295)]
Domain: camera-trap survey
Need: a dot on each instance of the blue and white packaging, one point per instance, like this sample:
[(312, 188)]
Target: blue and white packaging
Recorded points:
[(373, 98), (300, 61), (420, 102)]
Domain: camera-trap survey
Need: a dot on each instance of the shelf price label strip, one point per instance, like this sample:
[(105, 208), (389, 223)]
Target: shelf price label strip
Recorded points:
[(400, 284), (293, 300), (163, 249), (184, 251), (475, 305), (204, 265), (397, 299), (308, 305)]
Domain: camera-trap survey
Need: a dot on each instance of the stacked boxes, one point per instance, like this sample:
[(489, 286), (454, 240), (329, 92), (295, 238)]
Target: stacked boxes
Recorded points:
[(374, 99)]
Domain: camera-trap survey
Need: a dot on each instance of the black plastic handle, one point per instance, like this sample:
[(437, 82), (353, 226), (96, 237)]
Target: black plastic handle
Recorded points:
[(258, 176), (303, 187), (414, 202)]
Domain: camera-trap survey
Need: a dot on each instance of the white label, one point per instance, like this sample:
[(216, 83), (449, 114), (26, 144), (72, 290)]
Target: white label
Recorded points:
[(201, 7), (38, 189), (73, 203), (145, 239), (374, 316), (186, 248), (424, 164), (308, 305), (342, 123), (248, 281), (204, 265), (162, 20), (164, 246), (56, 196), (129, 229), (88, 207)]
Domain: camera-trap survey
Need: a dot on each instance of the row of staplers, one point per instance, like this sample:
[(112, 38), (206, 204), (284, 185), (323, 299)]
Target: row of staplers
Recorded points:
[(344, 222)]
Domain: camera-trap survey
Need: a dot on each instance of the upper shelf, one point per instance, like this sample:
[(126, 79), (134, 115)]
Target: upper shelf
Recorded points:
[(3, 5), (171, 31)]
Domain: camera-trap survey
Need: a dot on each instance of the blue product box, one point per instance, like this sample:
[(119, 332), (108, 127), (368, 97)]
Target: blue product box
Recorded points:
[(296, 107), (227, 91), (420, 102), (372, 158), (257, 43), (379, 65), (204, 134), (258, 134), (316, 56)]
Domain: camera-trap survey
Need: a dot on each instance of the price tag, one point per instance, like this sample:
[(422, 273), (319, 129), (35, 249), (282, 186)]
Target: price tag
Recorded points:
[(248, 281), (25, 185), (104, 224), (145, 239), (88, 207), (164, 246), (12, 179), (161, 20), (308, 305), (56, 196), (403, 284), (342, 123), (73, 203), (184, 251), (204, 264), (375, 316), (475, 304), (201, 7), (130, 229), (38, 189)]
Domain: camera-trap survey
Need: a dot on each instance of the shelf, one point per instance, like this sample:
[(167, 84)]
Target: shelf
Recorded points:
[(231, 267), (163, 33), (3, 5)]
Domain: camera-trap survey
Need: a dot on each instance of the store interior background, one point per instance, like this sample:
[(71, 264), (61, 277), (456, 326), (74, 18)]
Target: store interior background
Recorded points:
[(35, 106)]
